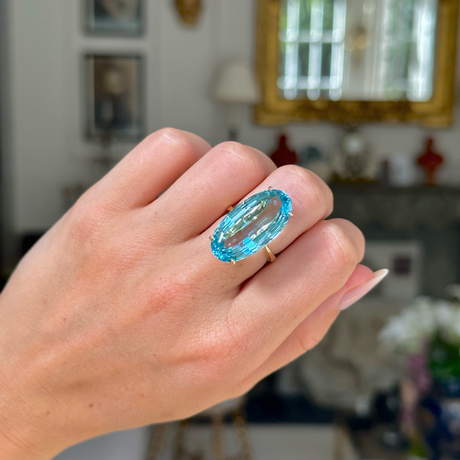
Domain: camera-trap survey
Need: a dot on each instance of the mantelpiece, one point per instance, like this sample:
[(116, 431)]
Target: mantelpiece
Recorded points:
[(430, 215), (398, 207)]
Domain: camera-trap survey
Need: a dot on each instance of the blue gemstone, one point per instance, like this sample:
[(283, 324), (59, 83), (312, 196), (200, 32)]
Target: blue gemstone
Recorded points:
[(251, 225)]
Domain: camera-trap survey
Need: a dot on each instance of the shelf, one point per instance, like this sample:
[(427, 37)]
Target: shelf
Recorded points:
[(397, 207)]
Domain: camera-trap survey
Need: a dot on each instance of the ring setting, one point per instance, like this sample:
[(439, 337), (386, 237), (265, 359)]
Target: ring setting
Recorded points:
[(251, 225)]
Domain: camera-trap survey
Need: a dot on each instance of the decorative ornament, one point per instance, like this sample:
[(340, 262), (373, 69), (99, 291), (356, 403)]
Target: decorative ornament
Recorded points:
[(353, 162), (189, 10), (355, 154), (283, 155), (430, 162)]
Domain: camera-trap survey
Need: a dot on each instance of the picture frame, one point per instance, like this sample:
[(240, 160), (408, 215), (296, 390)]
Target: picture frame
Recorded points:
[(114, 18), (114, 95), (405, 262)]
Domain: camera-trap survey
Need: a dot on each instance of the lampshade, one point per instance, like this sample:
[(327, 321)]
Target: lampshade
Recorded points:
[(236, 83)]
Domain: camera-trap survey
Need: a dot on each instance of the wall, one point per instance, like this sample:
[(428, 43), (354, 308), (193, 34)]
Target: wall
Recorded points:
[(46, 47), (7, 231)]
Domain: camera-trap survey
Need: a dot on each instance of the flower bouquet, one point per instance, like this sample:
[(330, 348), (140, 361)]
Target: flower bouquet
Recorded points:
[(427, 335)]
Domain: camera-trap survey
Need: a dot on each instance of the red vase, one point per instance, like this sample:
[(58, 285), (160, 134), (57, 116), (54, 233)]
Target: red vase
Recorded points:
[(430, 162), (283, 155)]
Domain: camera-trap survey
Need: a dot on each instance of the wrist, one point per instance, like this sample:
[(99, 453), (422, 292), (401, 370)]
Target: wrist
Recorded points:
[(16, 449), (19, 437), (22, 435), (25, 423)]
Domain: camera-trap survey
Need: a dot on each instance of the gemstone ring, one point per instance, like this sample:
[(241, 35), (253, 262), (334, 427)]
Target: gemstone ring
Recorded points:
[(251, 226)]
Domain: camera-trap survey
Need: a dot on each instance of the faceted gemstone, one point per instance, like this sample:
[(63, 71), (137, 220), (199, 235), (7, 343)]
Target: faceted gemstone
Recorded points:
[(251, 225)]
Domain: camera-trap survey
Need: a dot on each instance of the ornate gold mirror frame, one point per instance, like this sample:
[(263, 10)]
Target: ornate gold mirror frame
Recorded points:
[(273, 109)]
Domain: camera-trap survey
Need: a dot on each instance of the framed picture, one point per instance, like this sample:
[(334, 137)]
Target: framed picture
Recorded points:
[(114, 17), (404, 260), (114, 87)]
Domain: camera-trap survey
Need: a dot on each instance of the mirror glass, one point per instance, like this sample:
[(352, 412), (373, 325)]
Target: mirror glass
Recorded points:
[(372, 50)]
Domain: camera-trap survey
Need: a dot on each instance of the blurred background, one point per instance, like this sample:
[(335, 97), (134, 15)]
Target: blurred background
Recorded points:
[(362, 92)]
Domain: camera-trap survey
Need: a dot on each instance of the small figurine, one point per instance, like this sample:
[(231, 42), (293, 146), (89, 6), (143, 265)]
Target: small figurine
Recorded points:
[(189, 10), (352, 162), (283, 155), (430, 162)]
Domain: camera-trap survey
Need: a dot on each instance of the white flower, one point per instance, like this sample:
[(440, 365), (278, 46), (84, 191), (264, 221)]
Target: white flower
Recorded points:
[(408, 331), (447, 316), (419, 322)]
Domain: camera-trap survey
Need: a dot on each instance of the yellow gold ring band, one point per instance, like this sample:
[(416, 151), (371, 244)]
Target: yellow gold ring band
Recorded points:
[(270, 256)]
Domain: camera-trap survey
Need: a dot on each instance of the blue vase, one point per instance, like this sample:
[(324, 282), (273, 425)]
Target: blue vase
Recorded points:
[(438, 418)]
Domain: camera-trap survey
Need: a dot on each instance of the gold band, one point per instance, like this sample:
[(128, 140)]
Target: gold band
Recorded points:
[(270, 255)]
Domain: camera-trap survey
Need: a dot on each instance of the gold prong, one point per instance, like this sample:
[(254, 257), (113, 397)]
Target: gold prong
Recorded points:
[(210, 238), (230, 208), (270, 189), (292, 215), (233, 262)]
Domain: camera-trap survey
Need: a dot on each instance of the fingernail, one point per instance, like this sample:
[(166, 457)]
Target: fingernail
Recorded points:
[(355, 294)]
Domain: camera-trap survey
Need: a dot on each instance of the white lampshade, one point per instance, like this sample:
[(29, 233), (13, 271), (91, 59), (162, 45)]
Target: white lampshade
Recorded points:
[(236, 83)]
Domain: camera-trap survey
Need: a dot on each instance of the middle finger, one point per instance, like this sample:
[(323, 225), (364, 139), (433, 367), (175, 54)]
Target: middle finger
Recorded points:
[(201, 195)]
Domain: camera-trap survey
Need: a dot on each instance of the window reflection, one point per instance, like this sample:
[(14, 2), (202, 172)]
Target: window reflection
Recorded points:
[(357, 49)]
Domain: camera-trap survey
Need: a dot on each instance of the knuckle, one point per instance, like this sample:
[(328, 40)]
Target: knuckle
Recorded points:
[(307, 189), (328, 197), (175, 137), (243, 160), (170, 134), (342, 252)]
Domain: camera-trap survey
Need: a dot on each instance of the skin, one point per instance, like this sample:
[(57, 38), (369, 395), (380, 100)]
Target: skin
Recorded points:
[(120, 316)]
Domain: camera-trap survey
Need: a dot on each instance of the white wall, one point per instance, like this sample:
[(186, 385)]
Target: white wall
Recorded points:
[(47, 45)]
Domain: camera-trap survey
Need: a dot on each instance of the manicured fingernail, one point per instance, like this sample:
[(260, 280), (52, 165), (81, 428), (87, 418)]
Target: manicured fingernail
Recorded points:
[(360, 291)]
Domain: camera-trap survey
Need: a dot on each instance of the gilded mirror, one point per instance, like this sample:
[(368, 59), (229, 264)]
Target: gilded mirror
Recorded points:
[(357, 60)]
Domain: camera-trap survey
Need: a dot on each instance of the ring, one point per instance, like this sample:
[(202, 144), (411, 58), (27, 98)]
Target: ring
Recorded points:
[(251, 225), (271, 256)]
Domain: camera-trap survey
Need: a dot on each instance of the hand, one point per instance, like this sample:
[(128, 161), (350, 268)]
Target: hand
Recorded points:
[(120, 316)]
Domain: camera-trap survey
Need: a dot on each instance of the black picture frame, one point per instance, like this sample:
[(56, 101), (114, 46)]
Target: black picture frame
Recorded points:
[(114, 97), (114, 18)]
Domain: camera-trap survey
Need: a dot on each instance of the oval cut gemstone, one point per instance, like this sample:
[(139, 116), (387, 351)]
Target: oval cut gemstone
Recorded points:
[(251, 225)]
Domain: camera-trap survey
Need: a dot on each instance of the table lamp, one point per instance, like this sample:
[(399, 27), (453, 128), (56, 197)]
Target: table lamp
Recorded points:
[(236, 86)]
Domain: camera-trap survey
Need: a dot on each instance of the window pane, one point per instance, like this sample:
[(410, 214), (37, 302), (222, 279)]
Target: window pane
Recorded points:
[(283, 16), (304, 57), (393, 61), (305, 15), (400, 19), (328, 15), (282, 59), (326, 60)]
